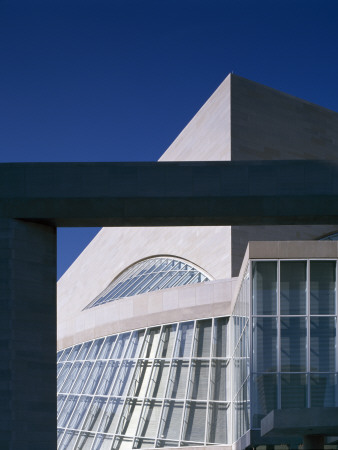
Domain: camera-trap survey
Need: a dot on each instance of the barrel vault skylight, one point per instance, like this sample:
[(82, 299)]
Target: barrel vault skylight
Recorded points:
[(148, 275)]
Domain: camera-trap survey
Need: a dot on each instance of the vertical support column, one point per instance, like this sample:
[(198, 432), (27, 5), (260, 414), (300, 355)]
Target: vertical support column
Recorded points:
[(27, 336)]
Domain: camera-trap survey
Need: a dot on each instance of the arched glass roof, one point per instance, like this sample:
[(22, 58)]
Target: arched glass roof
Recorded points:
[(151, 274)]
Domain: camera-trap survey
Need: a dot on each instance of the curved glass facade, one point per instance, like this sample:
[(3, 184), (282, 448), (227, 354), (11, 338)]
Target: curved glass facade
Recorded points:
[(149, 275), (163, 386)]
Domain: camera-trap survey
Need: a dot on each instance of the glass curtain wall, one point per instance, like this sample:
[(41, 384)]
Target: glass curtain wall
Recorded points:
[(164, 386), (293, 335)]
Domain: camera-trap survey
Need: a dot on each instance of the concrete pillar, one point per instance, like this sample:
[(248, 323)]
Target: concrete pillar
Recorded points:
[(27, 336), (313, 441)]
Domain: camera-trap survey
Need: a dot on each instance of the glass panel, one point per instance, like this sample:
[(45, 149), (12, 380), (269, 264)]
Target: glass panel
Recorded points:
[(203, 338), (85, 441), (293, 391), (84, 350), (159, 377), (71, 377), (103, 442), (293, 287), (178, 379), (60, 402), (184, 339), (74, 352), (59, 367), (121, 443), (123, 378), (108, 377), (199, 380), (65, 354), (150, 419), (218, 384), (264, 287), (82, 378), (67, 410), (323, 287), (167, 341), (135, 344), (171, 420), (323, 390), (264, 344), (220, 346), (140, 381), (219, 423), (111, 415), (68, 440), (151, 343), (95, 414), (120, 346), (60, 432), (95, 348), (107, 347), (195, 421), (293, 344), (130, 417), (323, 344), (264, 398), (63, 374), (80, 411), (94, 377)]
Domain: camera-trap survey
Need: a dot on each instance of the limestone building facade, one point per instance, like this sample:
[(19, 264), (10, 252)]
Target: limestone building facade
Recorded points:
[(173, 337)]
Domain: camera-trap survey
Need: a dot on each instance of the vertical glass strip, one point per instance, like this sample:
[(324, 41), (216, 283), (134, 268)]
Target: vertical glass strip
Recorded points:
[(203, 338), (264, 344), (171, 420), (195, 422), (264, 287), (322, 287), (184, 339), (221, 341), (293, 344), (322, 344), (95, 414), (166, 344), (293, 287)]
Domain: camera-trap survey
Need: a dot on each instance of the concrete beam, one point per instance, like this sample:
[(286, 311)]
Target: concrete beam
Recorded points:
[(174, 193)]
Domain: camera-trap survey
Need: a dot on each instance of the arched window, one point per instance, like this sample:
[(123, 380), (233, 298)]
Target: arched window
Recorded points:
[(152, 274)]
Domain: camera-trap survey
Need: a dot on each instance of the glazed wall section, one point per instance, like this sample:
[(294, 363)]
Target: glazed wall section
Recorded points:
[(164, 386), (294, 339)]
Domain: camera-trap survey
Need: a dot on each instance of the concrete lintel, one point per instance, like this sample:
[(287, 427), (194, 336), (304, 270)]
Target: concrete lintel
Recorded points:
[(173, 193), (300, 422)]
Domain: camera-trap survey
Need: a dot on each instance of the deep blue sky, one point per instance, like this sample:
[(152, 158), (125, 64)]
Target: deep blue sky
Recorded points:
[(106, 80)]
